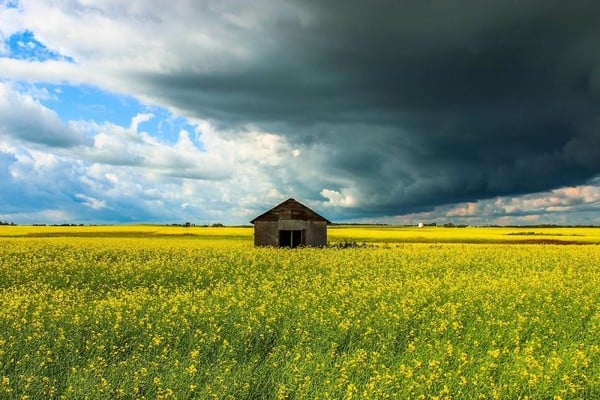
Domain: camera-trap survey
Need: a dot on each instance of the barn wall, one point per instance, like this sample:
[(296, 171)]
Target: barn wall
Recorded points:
[(316, 233), (292, 225), (266, 233)]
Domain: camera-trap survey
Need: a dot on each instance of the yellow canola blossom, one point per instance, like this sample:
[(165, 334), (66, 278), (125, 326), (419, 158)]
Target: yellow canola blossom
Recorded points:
[(172, 312)]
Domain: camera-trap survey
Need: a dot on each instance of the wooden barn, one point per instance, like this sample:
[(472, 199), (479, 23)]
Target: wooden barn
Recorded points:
[(290, 224)]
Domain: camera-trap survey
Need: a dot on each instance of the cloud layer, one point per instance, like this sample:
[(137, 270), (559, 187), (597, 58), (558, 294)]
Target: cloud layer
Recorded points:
[(368, 110)]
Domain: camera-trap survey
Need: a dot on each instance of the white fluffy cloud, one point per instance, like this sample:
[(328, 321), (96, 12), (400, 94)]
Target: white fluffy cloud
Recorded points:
[(122, 173), (338, 199), (207, 173), (113, 43), (23, 118), (298, 99), (573, 205)]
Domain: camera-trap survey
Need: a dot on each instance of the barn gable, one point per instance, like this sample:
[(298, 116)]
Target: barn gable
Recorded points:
[(290, 209), (290, 224)]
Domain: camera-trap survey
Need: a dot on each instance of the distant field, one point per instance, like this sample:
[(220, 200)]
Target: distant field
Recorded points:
[(530, 235), (138, 312), (337, 233)]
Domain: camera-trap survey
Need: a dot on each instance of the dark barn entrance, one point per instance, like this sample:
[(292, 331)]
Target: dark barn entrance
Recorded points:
[(288, 238)]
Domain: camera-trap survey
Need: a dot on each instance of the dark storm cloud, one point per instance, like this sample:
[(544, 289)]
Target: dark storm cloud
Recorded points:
[(419, 103)]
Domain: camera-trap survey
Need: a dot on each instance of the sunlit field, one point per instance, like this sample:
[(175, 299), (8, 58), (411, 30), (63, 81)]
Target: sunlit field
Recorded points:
[(171, 312), (336, 234)]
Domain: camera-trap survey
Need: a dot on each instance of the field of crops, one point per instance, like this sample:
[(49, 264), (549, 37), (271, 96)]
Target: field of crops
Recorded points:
[(164, 312)]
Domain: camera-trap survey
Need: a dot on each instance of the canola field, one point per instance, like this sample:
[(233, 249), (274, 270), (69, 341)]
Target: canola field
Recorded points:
[(146, 312)]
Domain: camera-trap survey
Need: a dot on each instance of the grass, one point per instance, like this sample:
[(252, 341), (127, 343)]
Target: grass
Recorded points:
[(109, 312)]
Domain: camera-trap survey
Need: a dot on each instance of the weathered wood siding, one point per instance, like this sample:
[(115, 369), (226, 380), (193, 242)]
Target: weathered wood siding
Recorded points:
[(266, 233), (316, 233), (284, 221)]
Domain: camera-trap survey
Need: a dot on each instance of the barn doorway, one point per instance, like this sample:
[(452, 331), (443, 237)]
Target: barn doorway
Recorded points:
[(288, 238)]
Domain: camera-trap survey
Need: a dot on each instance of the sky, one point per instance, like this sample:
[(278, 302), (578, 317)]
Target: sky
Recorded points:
[(202, 111)]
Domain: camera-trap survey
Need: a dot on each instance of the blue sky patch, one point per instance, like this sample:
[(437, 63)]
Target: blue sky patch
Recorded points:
[(167, 126), (89, 103), (9, 3), (24, 46)]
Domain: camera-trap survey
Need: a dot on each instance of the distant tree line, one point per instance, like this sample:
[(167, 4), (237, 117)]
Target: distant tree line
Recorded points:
[(189, 225), (359, 224), (451, 225), (7, 223), (60, 225)]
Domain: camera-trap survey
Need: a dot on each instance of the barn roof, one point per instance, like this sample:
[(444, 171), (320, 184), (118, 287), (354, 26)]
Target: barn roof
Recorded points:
[(290, 209)]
